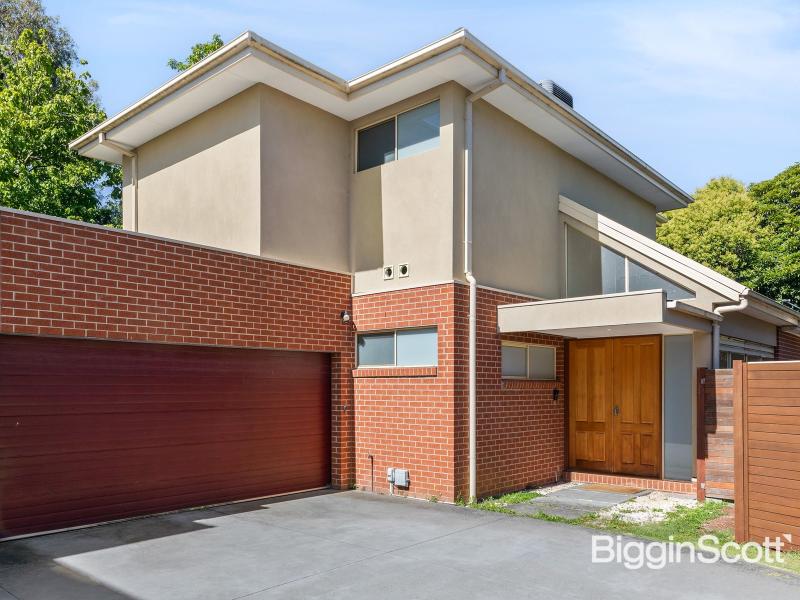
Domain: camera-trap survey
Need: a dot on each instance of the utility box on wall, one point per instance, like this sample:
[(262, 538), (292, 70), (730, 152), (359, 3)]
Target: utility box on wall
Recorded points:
[(398, 477)]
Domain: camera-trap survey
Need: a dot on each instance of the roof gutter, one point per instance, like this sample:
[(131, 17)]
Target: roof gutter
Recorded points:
[(720, 311), (473, 284)]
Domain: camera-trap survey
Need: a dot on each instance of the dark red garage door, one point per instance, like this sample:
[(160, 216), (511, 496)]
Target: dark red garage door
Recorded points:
[(92, 431)]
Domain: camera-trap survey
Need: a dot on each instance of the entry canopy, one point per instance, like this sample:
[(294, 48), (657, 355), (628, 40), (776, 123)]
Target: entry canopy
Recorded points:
[(636, 311), (630, 313)]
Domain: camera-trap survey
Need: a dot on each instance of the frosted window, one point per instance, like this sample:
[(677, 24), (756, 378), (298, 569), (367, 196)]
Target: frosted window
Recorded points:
[(514, 361), (541, 362), (417, 347), (376, 349)]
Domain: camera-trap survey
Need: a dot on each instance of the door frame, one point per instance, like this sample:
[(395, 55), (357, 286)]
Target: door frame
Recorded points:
[(611, 460)]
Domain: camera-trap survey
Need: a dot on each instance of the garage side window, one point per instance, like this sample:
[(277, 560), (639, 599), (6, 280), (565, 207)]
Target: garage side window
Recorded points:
[(401, 348), (528, 361)]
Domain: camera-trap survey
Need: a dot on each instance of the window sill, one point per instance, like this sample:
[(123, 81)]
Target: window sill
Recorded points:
[(515, 383), (364, 372)]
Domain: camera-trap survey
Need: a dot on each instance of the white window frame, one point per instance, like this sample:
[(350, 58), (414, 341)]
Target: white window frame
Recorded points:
[(393, 118), (394, 352), (528, 377)]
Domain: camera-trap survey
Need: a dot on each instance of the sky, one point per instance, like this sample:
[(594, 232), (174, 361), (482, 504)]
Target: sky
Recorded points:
[(697, 89)]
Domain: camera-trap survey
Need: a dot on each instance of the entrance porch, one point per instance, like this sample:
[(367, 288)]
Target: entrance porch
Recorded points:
[(629, 383)]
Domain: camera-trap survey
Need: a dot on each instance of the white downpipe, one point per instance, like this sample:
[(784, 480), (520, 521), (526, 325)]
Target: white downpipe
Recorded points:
[(721, 310), (473, 284), (103, 141)]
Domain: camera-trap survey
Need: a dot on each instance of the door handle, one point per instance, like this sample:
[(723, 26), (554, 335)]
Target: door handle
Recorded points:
[(615, 410)]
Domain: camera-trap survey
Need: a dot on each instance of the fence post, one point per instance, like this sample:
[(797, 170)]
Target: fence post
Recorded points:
[(702, 450), (741, 495)]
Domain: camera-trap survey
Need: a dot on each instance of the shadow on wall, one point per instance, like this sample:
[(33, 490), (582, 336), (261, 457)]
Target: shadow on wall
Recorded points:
[(219, 124), (367, 223)]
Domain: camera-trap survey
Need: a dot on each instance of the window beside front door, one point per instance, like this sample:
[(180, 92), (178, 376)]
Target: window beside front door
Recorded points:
[(528, 361)]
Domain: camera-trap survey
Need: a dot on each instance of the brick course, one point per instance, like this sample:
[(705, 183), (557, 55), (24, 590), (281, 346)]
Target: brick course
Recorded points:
[(59, 278)]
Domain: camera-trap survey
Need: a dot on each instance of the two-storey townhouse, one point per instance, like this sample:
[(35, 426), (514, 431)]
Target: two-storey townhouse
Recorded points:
[(473, 259)]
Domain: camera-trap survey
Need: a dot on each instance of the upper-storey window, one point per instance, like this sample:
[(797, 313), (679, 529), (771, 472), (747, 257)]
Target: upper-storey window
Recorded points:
[(403, 135), (595, 269)]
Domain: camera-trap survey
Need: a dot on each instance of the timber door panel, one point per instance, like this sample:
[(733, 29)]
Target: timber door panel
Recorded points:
[(637, 405), (590, 389), (615, 405)]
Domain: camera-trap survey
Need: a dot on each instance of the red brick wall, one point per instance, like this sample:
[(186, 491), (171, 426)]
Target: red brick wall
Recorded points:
[(419, 420), (788, 346), (521, 429), (71, 279), (404, 417)]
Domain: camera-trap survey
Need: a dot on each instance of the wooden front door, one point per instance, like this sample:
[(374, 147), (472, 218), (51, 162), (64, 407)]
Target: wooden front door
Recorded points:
[(615, 405)]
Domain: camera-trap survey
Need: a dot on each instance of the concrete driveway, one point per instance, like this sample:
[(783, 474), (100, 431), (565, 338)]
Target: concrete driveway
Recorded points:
[(349, 545)]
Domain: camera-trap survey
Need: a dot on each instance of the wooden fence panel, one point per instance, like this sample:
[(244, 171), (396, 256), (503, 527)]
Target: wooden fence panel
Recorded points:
[(767, 450)]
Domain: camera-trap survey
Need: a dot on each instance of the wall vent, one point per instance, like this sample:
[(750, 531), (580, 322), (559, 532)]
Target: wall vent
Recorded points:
[(556, 90)]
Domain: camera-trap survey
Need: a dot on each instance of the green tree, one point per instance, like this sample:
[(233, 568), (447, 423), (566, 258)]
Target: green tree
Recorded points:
[(42, 107), (18, 15), (777, 202), (722, 230), (198, 53)]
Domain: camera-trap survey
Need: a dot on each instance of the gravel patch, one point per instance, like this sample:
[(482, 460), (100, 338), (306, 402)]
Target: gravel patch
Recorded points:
[(652, 508)]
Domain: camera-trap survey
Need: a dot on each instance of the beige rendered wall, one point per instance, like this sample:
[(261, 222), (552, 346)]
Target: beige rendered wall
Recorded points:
[(517, 178), (200, 181), (747, 328), (305, 176), (402, 212)]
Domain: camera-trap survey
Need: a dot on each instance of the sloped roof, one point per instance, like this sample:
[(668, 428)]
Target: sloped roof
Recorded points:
[(460, 57)]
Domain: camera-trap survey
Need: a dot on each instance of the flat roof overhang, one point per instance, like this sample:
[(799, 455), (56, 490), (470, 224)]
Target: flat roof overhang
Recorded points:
[(608, 315)]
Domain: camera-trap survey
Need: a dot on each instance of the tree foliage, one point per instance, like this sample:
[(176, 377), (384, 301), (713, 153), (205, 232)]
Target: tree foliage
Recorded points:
[(18, 15), (778, 204), (198, 53), (43, 106), (750, 234), (720, 229)]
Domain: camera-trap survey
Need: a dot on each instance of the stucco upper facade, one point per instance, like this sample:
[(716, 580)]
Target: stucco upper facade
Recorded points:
[(265, 173)]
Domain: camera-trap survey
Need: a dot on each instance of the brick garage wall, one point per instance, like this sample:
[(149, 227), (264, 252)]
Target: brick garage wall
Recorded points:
[(60, 278), (788, 346), (404, 416), (521, 429)]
